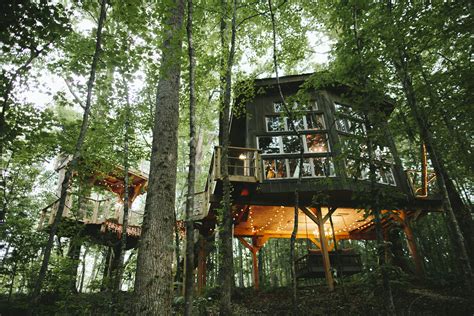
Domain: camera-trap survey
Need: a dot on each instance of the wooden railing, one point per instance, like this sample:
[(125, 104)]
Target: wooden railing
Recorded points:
[(421, 185), (93, 212), (244, 164)]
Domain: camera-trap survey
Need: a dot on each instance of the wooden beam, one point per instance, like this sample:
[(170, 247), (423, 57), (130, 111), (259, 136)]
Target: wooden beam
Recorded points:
[(253, 251), (324, 250), (329, 214), (245, 243), (310, 214)]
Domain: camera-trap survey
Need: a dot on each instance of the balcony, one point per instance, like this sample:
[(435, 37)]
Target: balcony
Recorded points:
[(244, 164)]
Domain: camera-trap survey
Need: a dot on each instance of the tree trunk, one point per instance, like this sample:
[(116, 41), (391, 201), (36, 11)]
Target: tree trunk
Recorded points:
[(461, 252), (73, 253), (189, 263), (153, 282), (83, 268), (126, 198), (75, 158), (226, 271)]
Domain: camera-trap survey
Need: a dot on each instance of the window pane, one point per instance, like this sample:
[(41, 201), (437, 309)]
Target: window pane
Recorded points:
[(317, 143), (269, 144), (343, 125), (383, 154), (298, 123), (315, 122), (278, 107), (275, 168), (357, 169), (386, 175), (275, 123), (291, 144), (323, 167), (294, 167)]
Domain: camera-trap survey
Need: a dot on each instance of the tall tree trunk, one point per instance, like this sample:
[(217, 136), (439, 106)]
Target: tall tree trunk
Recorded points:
[(401, 67), (153, 282), (73, 253), (226, 271), (126, 197), (189, 263), (75, 157)]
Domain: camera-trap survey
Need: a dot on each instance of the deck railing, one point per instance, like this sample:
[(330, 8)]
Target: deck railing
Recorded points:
[(244, 164), (421, 185)]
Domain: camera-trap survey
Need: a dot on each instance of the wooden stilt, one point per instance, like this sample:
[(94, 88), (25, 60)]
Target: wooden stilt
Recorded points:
[(255, 269), (257, 243), (412, 247), (324, 250)]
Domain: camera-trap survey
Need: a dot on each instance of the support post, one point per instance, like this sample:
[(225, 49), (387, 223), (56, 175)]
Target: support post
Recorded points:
[(324, 250), (255, 268), (257, 243), (412, 247)]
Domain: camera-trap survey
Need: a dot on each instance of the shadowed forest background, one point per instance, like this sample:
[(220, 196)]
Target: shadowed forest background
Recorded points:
[(118, 131)]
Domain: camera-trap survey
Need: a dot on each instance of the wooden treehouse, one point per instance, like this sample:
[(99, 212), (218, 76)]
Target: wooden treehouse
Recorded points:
[(100, 215), (264, 166)]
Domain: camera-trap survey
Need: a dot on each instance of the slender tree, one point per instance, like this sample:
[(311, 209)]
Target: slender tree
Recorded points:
[(126, 193), (226, 272), (189, 263), (76, 155), (290, 114)]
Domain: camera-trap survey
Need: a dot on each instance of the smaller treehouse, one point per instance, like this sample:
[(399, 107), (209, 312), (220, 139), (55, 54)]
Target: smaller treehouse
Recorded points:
[(94, 209), (336, 190)]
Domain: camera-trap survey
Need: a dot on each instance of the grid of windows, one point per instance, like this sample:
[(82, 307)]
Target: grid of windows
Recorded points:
[(351, 135), (307, 121)]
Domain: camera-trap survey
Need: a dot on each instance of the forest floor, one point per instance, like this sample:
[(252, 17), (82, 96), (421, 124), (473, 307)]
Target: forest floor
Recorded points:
[(353, 298)]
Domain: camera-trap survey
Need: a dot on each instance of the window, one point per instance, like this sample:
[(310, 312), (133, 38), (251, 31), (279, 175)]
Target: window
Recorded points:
[(316, 143), (314, 121), (291, 144), (269, 144), (323, 167), (383, 174), (278, 107), (298, 123), (348, 121), (275, 123), (275, 168)]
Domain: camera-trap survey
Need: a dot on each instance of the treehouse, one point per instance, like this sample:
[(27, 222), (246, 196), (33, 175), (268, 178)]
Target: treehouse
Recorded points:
[(99, 216), (263, 167)]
